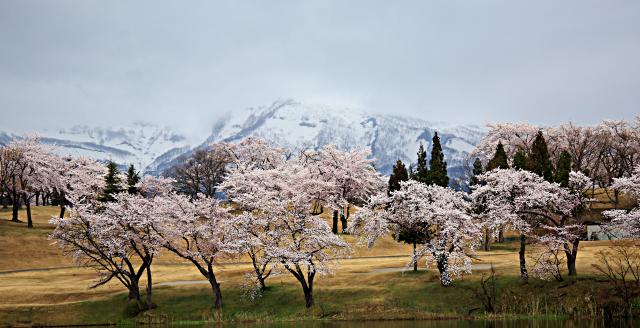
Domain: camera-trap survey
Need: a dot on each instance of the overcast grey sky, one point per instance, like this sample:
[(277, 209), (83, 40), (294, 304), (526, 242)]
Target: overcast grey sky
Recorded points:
[(182, 63)]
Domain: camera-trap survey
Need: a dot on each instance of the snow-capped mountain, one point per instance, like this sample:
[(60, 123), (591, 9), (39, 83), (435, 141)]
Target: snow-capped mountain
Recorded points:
[(141, 144), (299, 126), (290, 124)]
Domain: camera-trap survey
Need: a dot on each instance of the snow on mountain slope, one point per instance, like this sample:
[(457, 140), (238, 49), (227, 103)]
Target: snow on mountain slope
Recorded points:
[(299, 126), (140, 144), (154, 150)]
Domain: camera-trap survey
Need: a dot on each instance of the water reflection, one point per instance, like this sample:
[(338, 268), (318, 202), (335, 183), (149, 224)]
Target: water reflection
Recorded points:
[(439, 324)]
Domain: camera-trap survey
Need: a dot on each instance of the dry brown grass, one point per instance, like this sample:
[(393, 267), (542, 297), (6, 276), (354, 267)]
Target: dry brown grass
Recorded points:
[(22, 248)]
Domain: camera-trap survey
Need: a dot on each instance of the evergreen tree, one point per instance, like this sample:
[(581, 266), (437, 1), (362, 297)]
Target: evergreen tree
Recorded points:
[(412, 174), (437, 173), (112, 183), (132, 179), (422, 172), (520, 160), (398, 175), (477, 170), (499, 160), (539, 161), (563, 168)]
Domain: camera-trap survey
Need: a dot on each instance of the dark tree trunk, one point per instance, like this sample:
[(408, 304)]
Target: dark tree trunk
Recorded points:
[(334, 227), (215, 288), (217, 294), (308, 296), (572, 254), (149, 288), (134, 294), (28, 205), (37, 198), (487, 240), (62, 209), (501, 235), (343, 222), (415, 260), (524, 275), (15, 207)]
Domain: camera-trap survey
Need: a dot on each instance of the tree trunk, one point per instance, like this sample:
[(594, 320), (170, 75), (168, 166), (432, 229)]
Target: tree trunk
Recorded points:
[(149, 288), (62, 208), (572, 254), (28, 205), (343, 222), (442, 263), (308, 296), (134, 294), (501, 235), (524, 275), (215, 288), (15, 206), (37, 198), (415, 260), (334, 228), (487, 239)]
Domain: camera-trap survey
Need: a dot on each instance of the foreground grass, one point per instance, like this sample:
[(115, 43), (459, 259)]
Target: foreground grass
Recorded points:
[(392, 296), (368, 286)]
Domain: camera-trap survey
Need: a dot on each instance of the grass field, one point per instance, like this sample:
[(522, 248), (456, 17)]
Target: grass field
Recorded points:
[(40, 286)]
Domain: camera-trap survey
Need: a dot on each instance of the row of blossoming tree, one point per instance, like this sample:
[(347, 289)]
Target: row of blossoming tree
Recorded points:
[(271, 211)]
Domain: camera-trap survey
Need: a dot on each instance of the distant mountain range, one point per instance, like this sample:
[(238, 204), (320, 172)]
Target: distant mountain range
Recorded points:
[(284, 123)]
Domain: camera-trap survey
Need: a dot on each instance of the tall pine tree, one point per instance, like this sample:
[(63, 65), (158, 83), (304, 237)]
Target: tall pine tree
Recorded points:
[(398, 175), (437, 173), (563, 168), (422, 172), (499, 160), (112, 183), (132, 179), (520, 160), (539, 161)]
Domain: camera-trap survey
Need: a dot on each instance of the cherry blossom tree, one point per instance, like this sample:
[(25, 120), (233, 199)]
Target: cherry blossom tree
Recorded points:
[(513, 136), (32, 167), (520, 200), (249, 159), (115, 238), (81, 181), (450, 232), (286, 231), (626, 220), (199, 230), (349, 177)]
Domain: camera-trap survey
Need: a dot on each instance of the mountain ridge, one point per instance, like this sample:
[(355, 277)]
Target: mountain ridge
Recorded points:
[(285, 123)]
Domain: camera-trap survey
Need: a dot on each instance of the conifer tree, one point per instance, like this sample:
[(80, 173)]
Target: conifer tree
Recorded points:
[(412, 174), (422, 172), (520, 160), (437, 173), (398, 175), (477, 170), (539, 161), (499, 160), (563, 168), (132, 179), (112, 183)]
